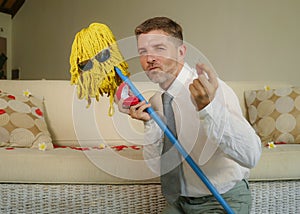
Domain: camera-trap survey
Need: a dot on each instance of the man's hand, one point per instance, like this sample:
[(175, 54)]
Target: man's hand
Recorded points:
[(203, 89), (136, 111)]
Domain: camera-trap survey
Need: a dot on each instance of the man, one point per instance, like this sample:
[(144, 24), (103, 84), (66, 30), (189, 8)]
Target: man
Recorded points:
[(208, 123)]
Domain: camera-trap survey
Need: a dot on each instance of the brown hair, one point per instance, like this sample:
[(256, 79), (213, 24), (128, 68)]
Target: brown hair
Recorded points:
[(160, 23)]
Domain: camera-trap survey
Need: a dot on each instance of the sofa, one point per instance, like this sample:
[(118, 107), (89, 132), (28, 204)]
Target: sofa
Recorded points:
[(90, 147)]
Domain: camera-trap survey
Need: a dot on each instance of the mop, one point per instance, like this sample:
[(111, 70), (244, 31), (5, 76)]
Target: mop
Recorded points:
[(98, 68)]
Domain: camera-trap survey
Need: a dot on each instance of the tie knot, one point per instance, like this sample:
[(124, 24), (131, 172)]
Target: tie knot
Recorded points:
[(166, 98)]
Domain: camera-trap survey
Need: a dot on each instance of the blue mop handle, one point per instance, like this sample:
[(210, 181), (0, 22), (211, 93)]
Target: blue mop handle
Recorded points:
[(176, 143)]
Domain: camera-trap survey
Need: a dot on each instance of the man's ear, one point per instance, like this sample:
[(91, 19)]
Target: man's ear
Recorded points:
[(181, 52)]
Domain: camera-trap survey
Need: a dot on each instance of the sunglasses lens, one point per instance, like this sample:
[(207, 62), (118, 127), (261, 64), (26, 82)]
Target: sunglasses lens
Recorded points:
[(103, 55), (100, 57), (85, 66)]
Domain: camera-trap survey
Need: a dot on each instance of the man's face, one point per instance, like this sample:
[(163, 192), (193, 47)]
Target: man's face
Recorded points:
[(160, 56)]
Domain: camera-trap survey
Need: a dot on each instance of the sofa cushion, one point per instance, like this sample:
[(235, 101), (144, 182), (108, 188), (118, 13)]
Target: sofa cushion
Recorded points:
[(280, 163), (22, 122), (275, 114), (115, 165)]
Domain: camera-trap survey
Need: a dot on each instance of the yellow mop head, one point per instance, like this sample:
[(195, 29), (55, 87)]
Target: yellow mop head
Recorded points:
[(93, 57)]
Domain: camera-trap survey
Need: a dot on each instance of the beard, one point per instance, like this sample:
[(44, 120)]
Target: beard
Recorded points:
[(154, 76), (158, 76), (163, 74)]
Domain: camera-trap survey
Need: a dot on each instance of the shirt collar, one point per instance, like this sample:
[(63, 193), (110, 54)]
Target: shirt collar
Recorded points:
[(181, 80)]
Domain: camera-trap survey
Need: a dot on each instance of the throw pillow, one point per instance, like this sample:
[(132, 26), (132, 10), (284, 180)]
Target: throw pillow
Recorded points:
[(275, 114), (22, 122)]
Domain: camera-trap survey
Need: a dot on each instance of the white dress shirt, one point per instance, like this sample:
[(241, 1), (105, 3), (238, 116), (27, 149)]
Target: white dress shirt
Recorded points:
[(218, 138)]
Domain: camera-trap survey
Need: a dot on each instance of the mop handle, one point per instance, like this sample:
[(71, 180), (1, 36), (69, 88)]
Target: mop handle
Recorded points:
[(176, 143)]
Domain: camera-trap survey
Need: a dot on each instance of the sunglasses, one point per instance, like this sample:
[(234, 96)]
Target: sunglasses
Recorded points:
[(100, 57)]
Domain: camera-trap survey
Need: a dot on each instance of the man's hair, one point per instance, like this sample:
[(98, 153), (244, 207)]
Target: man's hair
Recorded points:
[(160, 23)]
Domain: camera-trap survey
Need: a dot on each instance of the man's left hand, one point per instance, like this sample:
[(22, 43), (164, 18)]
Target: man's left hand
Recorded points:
[(203, 89)]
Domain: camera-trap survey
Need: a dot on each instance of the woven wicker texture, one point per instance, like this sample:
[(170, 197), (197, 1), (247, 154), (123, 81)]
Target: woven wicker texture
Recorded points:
[(268, 197), (276, 197)]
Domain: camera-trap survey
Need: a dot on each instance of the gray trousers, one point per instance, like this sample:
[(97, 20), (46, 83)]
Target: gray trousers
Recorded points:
[(238, 198)]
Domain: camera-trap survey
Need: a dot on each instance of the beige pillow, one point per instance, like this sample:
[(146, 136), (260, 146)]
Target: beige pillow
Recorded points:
[(275, 114), (22, 122)]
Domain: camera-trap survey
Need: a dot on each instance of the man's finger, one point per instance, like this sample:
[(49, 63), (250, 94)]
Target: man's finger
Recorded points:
[(121, 107), (197, 88), (205, 71)]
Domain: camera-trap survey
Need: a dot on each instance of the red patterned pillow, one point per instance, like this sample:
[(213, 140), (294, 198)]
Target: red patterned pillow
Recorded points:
[(22, 122)]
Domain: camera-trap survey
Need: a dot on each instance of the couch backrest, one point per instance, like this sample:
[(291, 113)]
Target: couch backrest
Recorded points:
[(240, 87), (69, 120), (57, 95)]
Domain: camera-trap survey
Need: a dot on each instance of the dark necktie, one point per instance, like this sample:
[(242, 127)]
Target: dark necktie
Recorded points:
[(171, 167)]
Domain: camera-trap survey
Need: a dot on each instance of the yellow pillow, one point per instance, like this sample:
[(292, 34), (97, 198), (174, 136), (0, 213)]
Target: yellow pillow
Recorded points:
[(22, 122), (275, 114)]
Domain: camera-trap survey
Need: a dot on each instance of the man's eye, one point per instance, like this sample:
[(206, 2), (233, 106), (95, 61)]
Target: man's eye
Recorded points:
[(142, 52), (161, 48)]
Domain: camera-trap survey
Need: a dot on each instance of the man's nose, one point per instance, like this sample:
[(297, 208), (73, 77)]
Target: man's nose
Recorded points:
[(151, 58)]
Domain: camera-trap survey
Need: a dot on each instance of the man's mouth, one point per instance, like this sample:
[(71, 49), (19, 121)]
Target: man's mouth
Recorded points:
[(152, 71), (153, 68)]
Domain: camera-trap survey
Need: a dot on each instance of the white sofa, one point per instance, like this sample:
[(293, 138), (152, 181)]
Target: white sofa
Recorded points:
[(79, 135)]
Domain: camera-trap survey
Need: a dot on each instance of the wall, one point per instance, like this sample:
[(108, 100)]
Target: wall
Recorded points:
[(5, 32), (243, 39)]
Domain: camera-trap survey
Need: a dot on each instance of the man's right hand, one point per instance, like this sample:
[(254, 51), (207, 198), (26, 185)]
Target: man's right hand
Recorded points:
[(136, 111)]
